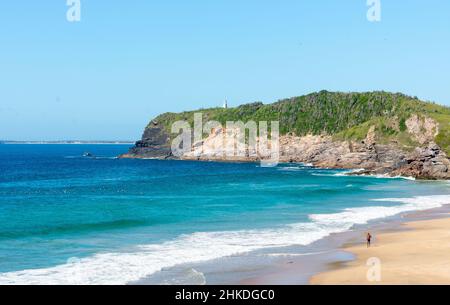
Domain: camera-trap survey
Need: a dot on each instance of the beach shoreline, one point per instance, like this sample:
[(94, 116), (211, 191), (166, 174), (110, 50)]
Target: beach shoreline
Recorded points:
[(298, 264), (334, 259), (231, 223), (416, 255)]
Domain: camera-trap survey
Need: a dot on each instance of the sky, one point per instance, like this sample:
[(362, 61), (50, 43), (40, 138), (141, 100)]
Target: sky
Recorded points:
[(125, 62)]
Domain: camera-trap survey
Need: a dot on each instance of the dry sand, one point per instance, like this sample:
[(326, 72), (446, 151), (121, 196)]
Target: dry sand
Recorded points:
[(418, 255)]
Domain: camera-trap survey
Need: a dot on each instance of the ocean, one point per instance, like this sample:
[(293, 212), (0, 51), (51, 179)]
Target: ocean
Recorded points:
[(70, 219)]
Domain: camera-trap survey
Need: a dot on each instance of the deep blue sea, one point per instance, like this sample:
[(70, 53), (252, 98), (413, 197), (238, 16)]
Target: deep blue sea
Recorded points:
[(69, 219)]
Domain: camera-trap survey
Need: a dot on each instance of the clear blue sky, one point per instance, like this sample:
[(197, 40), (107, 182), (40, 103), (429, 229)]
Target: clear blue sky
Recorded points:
[(127, 61)]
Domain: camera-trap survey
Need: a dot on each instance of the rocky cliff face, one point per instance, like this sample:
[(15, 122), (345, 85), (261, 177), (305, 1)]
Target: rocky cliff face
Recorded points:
[(155, 144), (428, 162), (425, 163)]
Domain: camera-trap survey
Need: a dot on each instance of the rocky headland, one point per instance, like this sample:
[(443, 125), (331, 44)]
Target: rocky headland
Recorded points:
[(377, 133)]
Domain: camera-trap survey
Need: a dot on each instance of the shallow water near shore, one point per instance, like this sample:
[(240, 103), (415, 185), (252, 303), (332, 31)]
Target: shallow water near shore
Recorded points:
[(69, 219)]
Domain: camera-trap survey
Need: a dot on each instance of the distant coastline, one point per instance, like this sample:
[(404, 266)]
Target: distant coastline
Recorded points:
[(66, 142)]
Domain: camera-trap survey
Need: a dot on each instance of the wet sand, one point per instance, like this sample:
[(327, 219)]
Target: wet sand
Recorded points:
[(418, 254), (413, 248)]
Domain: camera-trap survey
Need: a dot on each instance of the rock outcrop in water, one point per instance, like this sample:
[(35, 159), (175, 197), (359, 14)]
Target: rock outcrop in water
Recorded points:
[(405, 137)]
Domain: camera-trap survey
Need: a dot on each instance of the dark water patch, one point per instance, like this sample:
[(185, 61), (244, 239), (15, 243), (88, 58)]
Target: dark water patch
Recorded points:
[(75, 228)]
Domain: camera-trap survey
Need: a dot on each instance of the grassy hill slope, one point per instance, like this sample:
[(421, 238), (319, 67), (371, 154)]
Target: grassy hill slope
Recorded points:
[(343, 115)]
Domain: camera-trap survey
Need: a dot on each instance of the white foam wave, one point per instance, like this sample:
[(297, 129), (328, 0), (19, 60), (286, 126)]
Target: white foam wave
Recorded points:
[(354, 216), (348, 172), (356, 171), (296, 167), (390, 177), (333, 173), (122, 268), (289, 168), (188, 276), (380, 176), (305, 164)]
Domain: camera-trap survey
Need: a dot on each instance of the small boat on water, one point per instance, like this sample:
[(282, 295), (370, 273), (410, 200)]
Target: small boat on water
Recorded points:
[(88, 155)]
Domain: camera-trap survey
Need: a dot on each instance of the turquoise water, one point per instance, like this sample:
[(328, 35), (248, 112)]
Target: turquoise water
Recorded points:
[(65, 218)]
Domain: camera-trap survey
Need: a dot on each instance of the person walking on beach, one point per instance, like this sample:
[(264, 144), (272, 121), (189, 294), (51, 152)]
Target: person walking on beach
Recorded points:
[(369, 239)]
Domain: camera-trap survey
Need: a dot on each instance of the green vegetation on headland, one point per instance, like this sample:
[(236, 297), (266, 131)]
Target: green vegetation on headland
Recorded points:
[(346, 116), (68, 142)]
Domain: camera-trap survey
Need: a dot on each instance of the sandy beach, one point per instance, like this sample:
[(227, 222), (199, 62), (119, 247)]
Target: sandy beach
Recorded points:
[(417, 254)]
